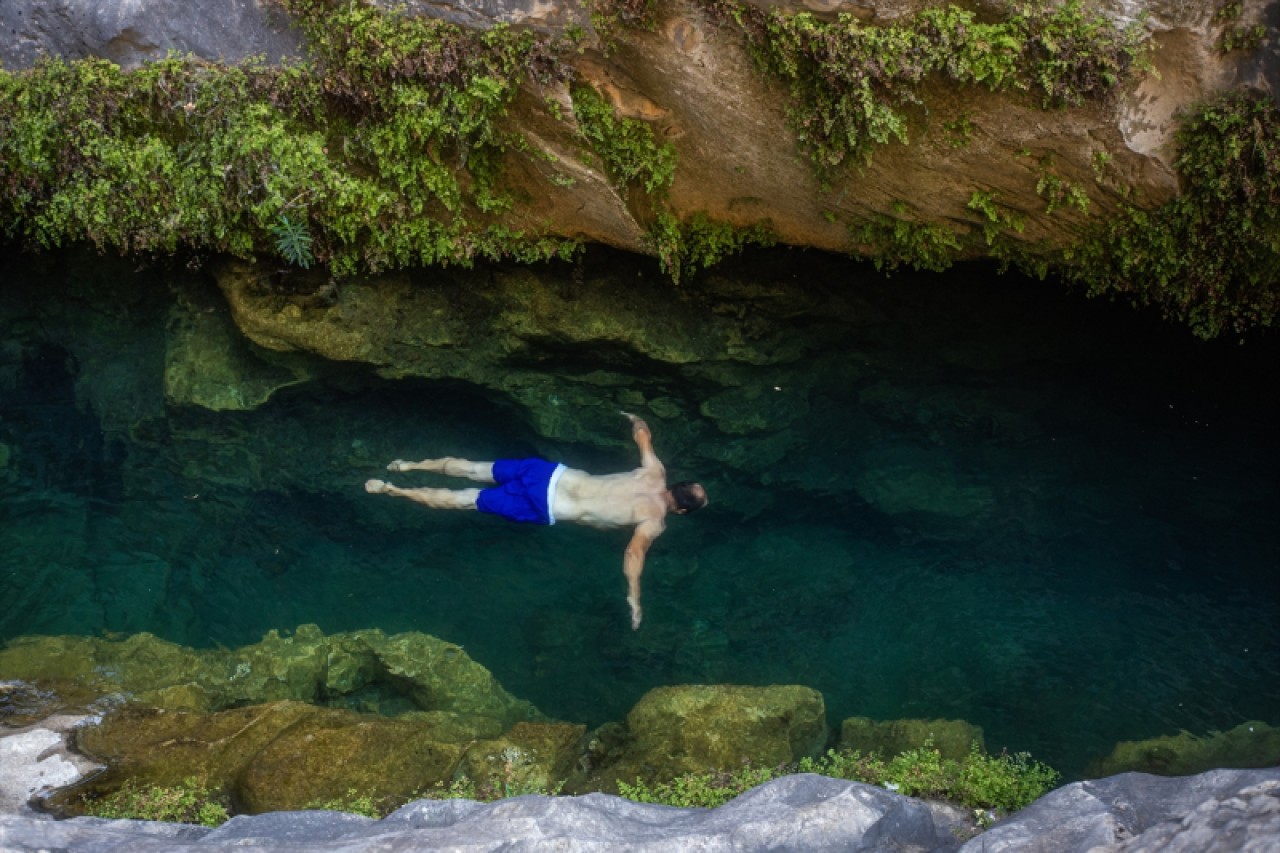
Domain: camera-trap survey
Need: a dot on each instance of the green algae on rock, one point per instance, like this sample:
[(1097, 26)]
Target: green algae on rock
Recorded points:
[(1251, 744), (952, 739), (696, 728), (406, 671)]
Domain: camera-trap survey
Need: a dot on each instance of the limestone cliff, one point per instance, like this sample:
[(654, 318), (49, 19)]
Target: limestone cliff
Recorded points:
[(1040, 133)]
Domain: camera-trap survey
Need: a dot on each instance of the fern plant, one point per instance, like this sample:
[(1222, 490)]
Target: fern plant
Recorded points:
[(293, 241)]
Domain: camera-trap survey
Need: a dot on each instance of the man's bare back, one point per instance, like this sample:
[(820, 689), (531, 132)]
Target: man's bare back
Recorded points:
[(542, 492)]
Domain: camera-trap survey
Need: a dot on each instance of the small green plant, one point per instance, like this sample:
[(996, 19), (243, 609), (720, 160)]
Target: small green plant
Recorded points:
[(958, 131), (1242, 38), (610, 17), (627, 147), (703, 242), (293, 241), (977, 781), (353, 802), (700, 790), (1100, 162), (894, 242), (1057, 191), (189, 802), (996, 219)]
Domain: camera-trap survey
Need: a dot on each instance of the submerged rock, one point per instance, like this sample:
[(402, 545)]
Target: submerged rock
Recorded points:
[(419, 671), (1251, 744), (701, 728), (952, 738)]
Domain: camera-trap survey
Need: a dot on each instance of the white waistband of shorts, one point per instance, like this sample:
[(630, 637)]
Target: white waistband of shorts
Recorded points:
[(551, 493)]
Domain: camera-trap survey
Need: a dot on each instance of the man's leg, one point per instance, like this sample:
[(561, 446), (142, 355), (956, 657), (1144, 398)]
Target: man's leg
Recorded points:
[(434, 498), (450, 466)]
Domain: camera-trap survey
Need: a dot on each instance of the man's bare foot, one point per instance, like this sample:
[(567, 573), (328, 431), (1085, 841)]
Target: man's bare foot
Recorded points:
[(376, 487), (399, 465)]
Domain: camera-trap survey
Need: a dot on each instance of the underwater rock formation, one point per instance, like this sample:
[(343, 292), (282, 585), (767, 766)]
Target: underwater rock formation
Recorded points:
[(1251, 744), (362, 669), (696, 728), (952, 738)]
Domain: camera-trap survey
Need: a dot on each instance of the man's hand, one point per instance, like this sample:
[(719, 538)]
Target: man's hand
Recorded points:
[(636, 613), (638, 424)]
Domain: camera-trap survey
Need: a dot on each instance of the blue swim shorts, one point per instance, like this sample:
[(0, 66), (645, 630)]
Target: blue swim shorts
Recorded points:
[(525, 492)]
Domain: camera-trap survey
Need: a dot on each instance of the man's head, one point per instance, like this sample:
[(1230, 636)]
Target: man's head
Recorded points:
[(688, 496)]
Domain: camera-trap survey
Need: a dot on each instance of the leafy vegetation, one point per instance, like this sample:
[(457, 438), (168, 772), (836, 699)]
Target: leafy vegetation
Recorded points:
[(383, 150), (610, 17), (190, 802), (851, 84), (702, 242), (978, 781), (627, 147), (895, 241), (1209, 258), (1235, 37)]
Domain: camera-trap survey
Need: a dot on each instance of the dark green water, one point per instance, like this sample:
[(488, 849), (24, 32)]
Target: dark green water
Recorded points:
[(1056, 519)]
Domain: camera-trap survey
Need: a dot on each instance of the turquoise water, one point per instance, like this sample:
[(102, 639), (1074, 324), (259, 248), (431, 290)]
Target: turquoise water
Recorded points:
[(1054, 518)]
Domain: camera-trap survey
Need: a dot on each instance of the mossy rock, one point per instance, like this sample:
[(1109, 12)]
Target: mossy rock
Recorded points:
[(326, 755), (440, 676), (699, 728), (395, 674), (952, 738), (1252, 744), (530, 758), (159, 747), (280, 756)]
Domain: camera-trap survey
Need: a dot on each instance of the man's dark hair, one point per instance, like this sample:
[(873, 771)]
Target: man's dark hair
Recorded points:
[(689, 495)]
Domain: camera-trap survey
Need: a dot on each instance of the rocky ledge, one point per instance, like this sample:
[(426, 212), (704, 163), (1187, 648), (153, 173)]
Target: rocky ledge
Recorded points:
[(1216, 811)]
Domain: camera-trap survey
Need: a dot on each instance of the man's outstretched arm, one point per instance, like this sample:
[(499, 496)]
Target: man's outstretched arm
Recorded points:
[(644, 440), (633, 565)]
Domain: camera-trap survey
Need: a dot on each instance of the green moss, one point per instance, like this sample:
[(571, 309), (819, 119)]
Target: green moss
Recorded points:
[(702, 242), (852, 84), (894, 242), (384, 149), (1210, 258), (627, 147), (610, 18), (1057, 191)]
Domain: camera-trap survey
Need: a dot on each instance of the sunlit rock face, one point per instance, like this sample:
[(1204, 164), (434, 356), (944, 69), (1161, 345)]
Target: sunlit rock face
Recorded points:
[(693, 82)]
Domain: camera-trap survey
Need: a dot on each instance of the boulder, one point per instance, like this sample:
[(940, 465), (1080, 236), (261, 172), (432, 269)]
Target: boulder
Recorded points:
[(701, 728), (530, 758), (365, 668), (1251, 744), (952, 738)]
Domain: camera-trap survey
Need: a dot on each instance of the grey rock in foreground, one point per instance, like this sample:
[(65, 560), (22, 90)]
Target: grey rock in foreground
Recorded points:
[(1221, 810), (1236, 810)]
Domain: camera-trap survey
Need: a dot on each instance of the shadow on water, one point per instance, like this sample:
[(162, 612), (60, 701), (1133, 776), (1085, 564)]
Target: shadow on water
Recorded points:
[(1055, 519)]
